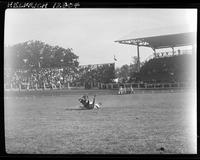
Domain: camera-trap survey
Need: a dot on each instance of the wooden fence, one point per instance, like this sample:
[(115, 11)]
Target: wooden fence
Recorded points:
[(145, 85), (111, 86)]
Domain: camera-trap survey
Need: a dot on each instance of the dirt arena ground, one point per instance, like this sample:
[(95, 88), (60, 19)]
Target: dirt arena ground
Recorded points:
[(141, 123)]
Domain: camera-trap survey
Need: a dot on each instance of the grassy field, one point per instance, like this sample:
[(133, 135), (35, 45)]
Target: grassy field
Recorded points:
[(148, 123)]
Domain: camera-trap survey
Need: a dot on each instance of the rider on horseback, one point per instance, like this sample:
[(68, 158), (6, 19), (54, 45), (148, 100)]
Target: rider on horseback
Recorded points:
[(86, 103)]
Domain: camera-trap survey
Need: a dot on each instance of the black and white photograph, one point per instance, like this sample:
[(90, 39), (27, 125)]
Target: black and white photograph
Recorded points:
[(100, 81)]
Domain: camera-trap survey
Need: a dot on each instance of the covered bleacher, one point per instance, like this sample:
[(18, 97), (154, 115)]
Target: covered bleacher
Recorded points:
[(162, 70), (159, 38)]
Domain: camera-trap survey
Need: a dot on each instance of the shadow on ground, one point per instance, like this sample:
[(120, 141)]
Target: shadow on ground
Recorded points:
[(75, 109)]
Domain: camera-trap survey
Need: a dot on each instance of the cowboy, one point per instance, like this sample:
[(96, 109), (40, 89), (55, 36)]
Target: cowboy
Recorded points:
[(86, 103)]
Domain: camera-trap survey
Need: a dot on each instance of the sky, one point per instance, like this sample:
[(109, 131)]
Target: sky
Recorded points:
[(91, 32)]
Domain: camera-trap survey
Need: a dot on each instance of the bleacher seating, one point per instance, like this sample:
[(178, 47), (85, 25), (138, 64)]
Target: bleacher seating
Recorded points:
[(33, 79), (167, 69)]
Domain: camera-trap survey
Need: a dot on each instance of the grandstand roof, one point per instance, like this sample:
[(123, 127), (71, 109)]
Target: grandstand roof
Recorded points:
[(156, 38)]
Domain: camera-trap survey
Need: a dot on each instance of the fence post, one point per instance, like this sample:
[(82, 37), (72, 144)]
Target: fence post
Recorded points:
[(59, 85), (68, 86), (44, 85), (36, 86), (20, 87), (27, 86)]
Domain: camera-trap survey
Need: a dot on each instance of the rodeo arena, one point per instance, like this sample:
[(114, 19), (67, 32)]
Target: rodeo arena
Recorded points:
[(63, 107)]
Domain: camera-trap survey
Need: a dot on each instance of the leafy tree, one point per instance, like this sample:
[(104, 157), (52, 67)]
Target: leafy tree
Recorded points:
[(103, 74), (128, 73), (133, 69), (36, 54), (123, 73)]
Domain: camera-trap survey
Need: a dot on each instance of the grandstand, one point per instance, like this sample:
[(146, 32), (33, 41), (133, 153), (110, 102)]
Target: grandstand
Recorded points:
[(159, 38), (167, 69), (87, 76), (163, 69)]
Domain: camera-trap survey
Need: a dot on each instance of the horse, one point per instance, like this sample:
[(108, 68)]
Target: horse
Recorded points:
[(87, 104)]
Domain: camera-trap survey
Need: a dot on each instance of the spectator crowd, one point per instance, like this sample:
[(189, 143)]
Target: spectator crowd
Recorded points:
[(58, 78), (35, 79), (167, 69)]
